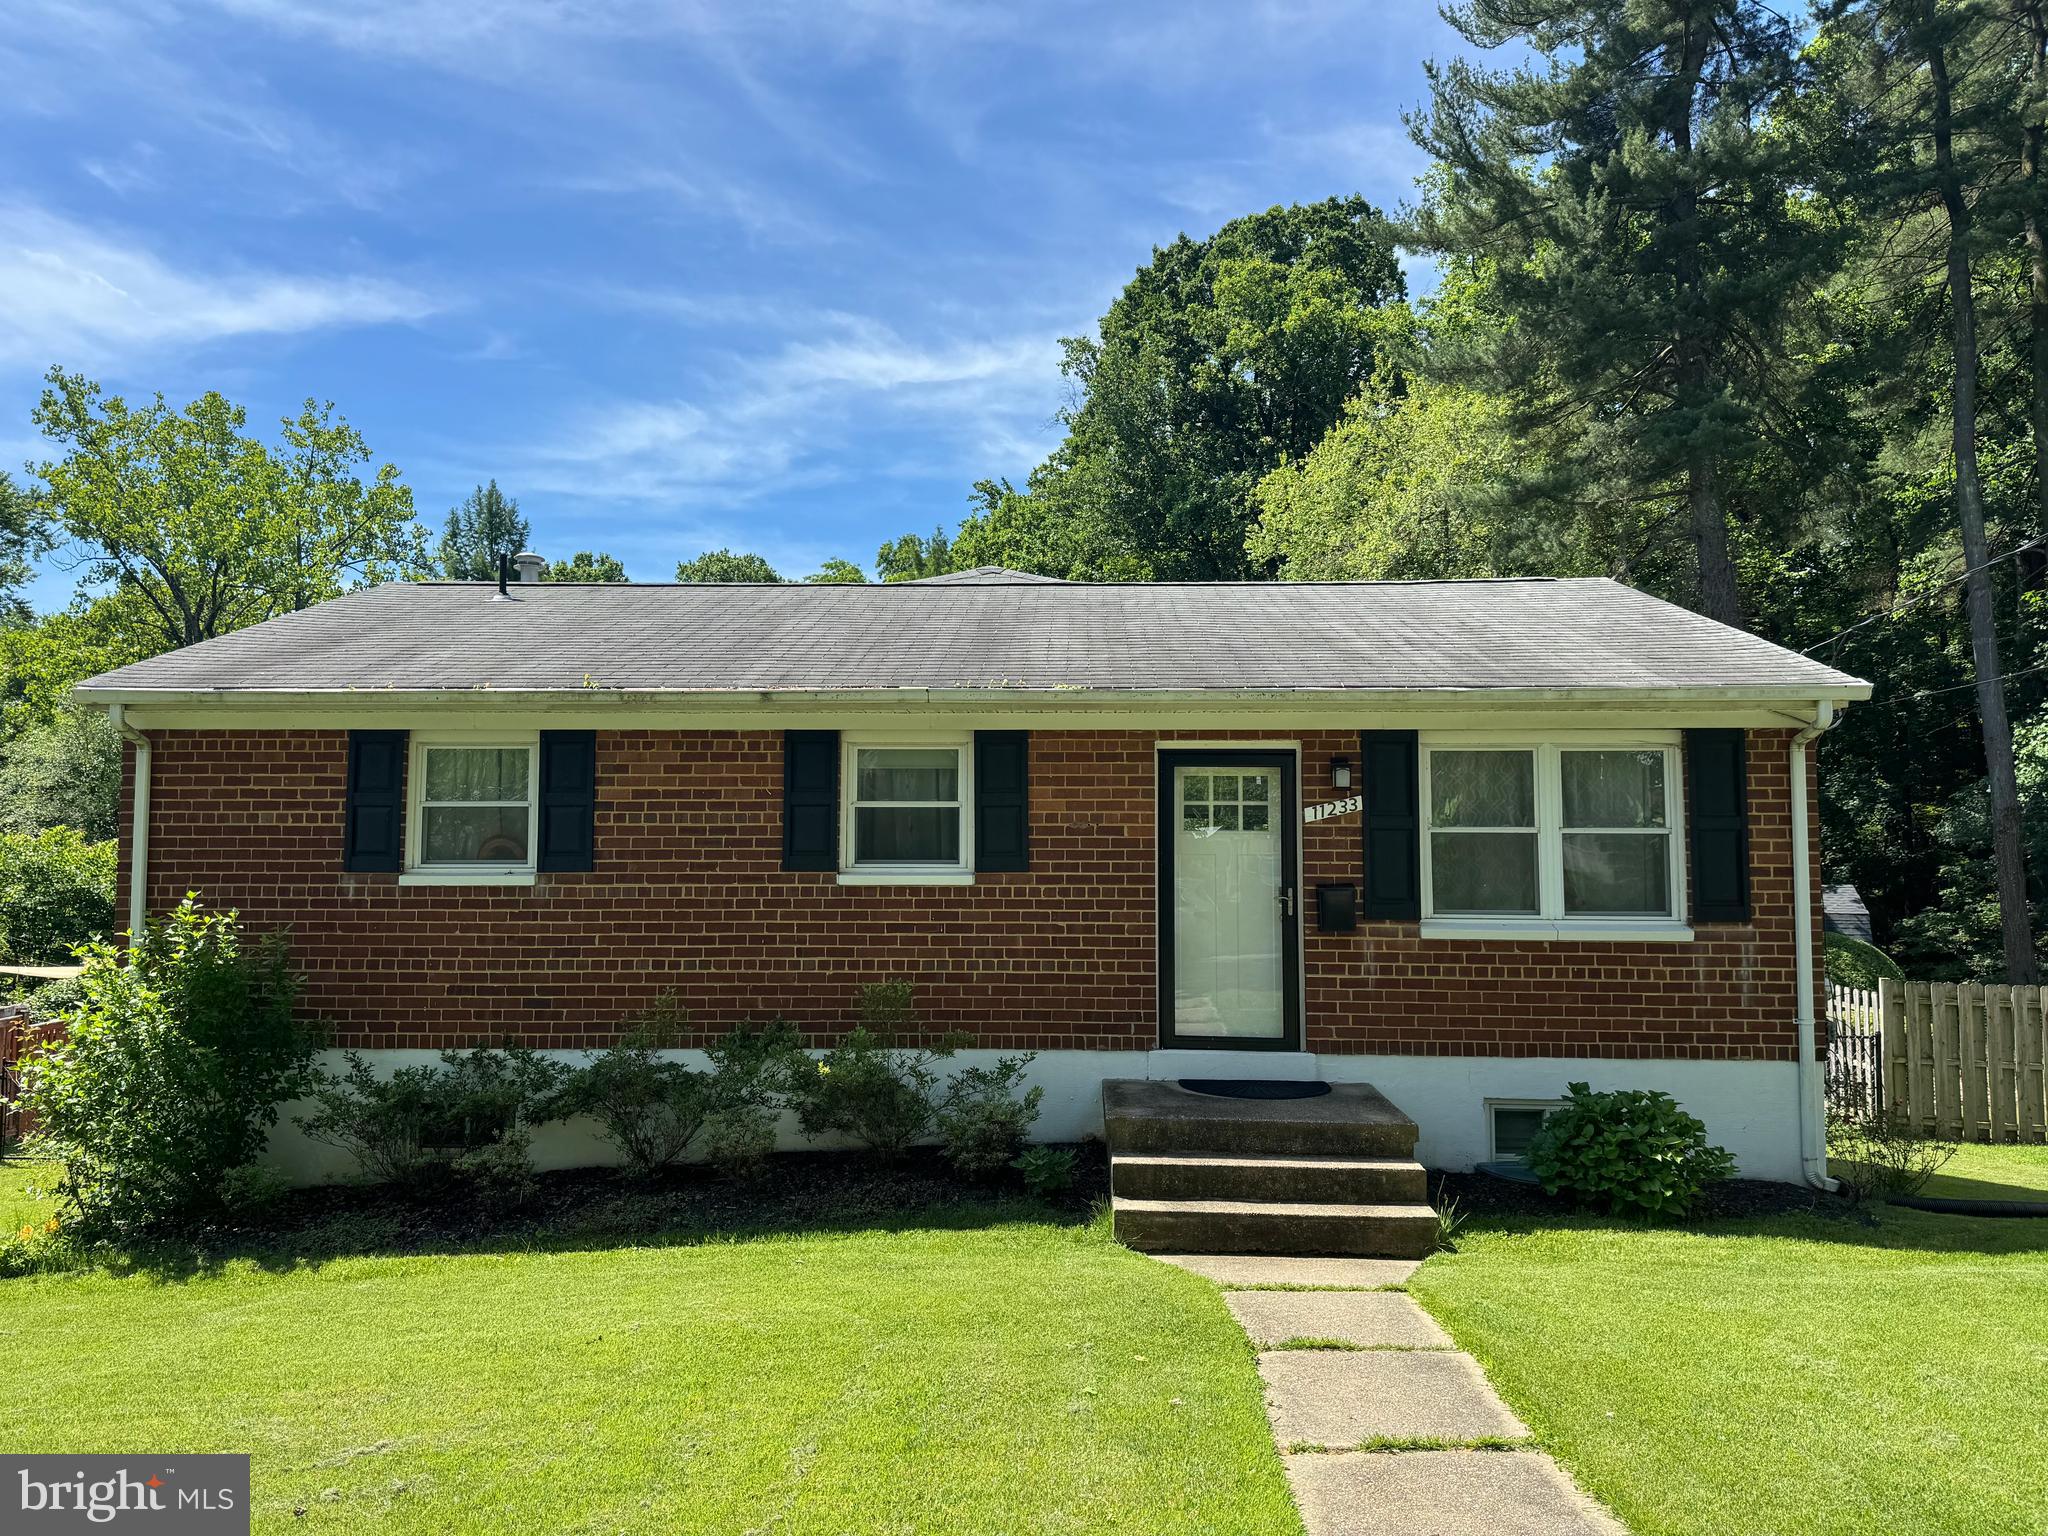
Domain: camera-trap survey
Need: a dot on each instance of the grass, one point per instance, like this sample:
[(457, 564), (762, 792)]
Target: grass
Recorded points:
[(976, 1368), (1992, 1173), (1845, 1375)]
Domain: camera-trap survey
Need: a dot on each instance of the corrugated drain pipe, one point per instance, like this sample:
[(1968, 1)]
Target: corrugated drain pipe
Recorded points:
[(138, 837), (1813, 1152)]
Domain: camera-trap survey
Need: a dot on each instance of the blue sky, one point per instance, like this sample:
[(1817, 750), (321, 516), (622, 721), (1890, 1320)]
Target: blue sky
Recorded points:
[(782, 277)]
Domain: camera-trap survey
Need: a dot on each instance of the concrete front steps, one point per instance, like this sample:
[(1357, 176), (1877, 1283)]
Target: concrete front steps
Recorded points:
[(1193, 1172)]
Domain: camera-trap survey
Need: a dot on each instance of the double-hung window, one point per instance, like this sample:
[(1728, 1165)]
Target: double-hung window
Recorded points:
[(473, 807), (1557, 833), (906, 810)]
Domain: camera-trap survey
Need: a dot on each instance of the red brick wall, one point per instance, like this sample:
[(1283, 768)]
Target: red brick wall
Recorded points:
[(688, 896)]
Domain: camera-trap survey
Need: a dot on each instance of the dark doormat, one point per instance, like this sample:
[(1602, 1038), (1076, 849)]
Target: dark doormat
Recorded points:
[(1252, 1088)]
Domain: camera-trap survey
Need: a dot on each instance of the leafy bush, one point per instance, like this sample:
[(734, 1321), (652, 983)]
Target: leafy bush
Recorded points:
[(1047, 1171), (1628, 1152), (738, 1140), (54, 999), (874, 1085), (750, 1069), (467, 1117), (1878, 1153), (65, 772), (1853, 963), (170, 1072), (983, 1120), (56, 892), (649, 1108)]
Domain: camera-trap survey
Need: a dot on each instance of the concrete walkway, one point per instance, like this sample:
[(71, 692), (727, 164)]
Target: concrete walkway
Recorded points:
[(1387, 1430)]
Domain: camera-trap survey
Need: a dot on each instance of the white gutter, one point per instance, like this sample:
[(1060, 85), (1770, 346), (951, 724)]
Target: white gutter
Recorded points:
[(598, 696), (1813, 1151), (138, 840)]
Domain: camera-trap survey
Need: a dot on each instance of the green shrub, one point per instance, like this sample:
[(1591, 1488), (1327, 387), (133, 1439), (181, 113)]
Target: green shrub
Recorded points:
[(56, 892), (1047, 1171), (1851, 962), (876, 1085), (983, 1120), (171, 1070), (1627, 1152), (881, 1094), (470, 1116), (53, 999), (738, 1140), (647, 1107), (1879, 1153)]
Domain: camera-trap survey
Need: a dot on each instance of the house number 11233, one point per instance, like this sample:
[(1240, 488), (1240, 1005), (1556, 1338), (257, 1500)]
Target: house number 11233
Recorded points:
[(1331, 808)]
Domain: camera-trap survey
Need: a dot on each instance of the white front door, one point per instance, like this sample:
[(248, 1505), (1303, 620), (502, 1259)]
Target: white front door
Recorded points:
[(1228, 827)]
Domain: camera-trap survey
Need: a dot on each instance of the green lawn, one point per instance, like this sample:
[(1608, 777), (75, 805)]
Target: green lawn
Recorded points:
[(988, 1368), (1808, 1374), (1001, 1373), (1992, 1173)]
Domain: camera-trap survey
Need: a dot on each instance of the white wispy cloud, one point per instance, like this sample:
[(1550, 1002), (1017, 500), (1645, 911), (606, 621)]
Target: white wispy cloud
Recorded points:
[(73, 294), (758, 427)]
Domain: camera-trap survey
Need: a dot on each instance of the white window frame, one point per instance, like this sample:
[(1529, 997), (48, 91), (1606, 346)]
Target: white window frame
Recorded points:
[(1493, 1107), (958, 872), (1550, 920), (417, 872)]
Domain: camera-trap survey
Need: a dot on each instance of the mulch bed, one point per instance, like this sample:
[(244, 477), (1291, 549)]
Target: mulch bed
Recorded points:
[(1480, 1195), (794, 1191)]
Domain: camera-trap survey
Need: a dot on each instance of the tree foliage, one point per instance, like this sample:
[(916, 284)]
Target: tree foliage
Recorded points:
[(724, 565), (585, 566), (485, 530), (198, 528), (1220, 359)]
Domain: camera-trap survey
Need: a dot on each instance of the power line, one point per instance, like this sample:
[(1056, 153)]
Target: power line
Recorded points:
[(1934, 591), (1935, 693)]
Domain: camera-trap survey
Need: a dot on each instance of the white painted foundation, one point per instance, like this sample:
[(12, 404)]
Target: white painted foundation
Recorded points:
[(1750, 1107)]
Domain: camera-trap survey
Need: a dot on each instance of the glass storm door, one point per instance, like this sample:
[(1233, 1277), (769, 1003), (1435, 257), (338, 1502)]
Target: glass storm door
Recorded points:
[(1227, 904)]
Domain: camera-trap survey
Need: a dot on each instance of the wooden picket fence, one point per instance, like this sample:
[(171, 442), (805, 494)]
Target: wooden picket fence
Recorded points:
[(16, 1029), (1962, 1060)]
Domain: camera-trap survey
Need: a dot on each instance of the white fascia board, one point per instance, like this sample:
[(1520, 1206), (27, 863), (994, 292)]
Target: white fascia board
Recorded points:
[(966, 708)]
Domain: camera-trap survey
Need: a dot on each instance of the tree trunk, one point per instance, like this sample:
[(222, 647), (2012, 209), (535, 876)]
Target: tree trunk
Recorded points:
[(2007, 845), (2037, 261), (1719, 597)]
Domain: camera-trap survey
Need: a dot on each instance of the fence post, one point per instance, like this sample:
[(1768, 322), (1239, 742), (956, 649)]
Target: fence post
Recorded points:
[(2031, 1011), (1891, 1046), (1973, 1040)]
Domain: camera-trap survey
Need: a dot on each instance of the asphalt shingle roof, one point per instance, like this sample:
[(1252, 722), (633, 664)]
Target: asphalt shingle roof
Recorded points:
[(1025, 636)]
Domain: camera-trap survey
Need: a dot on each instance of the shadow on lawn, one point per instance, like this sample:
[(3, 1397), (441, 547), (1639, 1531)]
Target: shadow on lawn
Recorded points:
[(586, 1209), (1749, 1207)]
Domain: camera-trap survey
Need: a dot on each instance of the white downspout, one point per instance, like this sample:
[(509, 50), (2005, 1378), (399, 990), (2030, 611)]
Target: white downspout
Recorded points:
[(138, 837), (1813, 1154)]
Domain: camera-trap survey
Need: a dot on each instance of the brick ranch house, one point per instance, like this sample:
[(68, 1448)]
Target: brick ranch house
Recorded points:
[(1462, 840)]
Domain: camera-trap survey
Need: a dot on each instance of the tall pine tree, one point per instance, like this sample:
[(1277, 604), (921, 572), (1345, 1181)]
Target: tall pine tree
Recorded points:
[(486, 526), (1633, 199), (1925, 152)]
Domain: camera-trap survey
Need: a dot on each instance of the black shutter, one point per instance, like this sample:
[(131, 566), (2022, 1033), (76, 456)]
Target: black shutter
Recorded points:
[(1717, 814), (810, 799), (373, 825), (1392, 826), (568, 800), (1002, 800)]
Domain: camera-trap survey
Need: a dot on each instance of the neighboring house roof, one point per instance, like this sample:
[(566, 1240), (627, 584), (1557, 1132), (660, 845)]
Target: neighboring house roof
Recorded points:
[(1842, 910), (985, 576), (1533, 637)]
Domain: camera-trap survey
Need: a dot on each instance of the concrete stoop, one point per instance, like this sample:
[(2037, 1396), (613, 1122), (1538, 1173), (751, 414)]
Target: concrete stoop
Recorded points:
[(1197, 1173)]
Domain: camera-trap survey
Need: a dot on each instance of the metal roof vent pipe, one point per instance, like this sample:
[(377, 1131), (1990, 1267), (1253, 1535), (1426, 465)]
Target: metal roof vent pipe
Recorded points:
[(530, 566)]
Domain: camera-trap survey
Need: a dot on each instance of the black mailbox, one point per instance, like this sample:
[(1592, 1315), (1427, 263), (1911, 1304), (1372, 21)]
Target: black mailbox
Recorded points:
[(1336, 908)]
